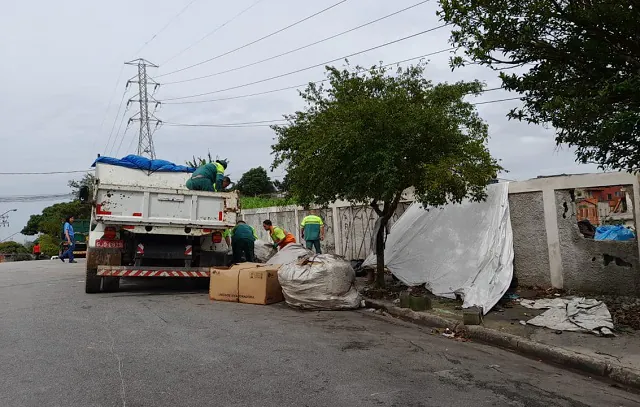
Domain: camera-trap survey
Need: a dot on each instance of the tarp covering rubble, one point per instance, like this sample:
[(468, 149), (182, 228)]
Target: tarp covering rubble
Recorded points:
[(576, 314), (464, 249)]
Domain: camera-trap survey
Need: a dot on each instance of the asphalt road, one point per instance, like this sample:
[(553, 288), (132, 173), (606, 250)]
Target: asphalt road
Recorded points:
[(154, 346)]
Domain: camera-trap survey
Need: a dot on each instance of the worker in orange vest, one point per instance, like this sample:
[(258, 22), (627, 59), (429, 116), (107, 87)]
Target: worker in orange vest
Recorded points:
[(280, 237)]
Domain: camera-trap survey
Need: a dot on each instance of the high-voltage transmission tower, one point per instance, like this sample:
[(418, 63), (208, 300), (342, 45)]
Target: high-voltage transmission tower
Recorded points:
[(145, 138)]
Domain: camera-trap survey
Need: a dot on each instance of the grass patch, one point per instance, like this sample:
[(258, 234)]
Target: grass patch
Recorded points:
[(251, 202)]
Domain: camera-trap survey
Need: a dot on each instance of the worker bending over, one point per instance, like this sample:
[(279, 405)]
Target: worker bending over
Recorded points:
[(280, 237), (241, 239), (312, 230), (209, 177)]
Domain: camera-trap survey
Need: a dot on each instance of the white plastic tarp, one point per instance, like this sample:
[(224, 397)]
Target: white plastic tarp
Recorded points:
[(464, 249), (575, 314)]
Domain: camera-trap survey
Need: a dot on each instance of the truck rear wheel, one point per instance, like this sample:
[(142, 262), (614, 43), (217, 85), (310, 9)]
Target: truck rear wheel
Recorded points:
[(110, 284), (92, 282)]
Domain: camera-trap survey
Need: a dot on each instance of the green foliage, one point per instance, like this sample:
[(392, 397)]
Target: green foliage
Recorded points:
[(255, 182), (370, 135), (12, 248), (251, 202), (283, 186), (88, 180), (577, 67), (50, 220), (49, 245), (200, 161)]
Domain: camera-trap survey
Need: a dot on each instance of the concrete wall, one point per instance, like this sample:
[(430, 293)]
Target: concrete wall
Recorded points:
[(531, 257), (572, 261), (549, 250), (348, 228)]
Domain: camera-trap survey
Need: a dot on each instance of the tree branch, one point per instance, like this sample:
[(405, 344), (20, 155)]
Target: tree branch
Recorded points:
[(374, 205)]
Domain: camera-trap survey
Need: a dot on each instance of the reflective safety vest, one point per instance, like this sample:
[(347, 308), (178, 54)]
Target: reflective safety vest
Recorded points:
[(282, 237)]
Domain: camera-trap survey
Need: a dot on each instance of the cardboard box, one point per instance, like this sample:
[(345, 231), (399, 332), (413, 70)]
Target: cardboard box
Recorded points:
[(249, 283), (223, 284)]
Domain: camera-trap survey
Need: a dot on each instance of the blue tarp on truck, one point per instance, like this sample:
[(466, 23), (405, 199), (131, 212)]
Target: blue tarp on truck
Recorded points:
[(145, 164)]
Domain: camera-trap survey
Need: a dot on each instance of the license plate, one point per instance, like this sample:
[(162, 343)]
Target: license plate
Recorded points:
[(110, 244)]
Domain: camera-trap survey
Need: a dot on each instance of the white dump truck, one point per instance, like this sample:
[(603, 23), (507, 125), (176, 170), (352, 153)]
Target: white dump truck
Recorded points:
[(147, 224)]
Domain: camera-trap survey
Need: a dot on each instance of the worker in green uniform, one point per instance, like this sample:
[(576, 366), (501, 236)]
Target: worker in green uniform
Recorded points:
[(312, 230), (209, 177), (243, 239)]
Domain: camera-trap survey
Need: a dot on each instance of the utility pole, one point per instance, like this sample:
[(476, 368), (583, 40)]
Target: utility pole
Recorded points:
[(145, 137)]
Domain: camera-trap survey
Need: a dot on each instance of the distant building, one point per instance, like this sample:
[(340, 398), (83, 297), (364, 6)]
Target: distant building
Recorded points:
[(604, 205)]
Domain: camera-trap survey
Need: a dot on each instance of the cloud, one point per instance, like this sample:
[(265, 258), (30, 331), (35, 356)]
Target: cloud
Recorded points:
[(66, 57)]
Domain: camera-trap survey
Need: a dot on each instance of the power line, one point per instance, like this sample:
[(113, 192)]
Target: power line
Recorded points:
[(241, 124), (165, 27), (267, 123), (44, 173), (212, 32), (106, 112), (299, 48), (302, 84), (115, 120), (317, 65), (255, 41), (496, 101), (32, 198)]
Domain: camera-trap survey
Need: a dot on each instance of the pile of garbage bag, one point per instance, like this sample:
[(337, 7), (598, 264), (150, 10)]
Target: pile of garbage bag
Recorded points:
[(290, 253), (263, 251), (319, 282)]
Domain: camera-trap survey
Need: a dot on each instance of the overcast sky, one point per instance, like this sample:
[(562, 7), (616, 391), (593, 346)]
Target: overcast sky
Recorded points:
[(61, 62)]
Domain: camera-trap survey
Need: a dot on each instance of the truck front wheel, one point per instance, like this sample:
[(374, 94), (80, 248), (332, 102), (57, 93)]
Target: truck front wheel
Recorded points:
[(92, 282)]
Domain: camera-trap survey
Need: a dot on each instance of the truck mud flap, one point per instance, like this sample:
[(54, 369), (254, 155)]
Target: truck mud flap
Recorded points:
[(130, 272)]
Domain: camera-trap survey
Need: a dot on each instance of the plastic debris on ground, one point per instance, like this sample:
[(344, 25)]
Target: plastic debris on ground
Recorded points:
[(319, 282), (263, 251), (614, 232), (462, 249), (290, 253), (575, 314)]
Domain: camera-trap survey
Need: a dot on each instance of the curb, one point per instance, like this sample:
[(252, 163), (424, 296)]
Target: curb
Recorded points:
[(587, 364)]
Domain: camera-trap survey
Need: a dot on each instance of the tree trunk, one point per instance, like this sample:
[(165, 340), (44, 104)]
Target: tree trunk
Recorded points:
[(380, 253)]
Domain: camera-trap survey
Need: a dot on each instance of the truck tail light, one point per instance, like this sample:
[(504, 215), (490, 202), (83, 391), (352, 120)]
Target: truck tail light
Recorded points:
[(100, 211), (138, 214), (207, 230), (128, 227), (217, 237), (220, 217), (140, 249), (109, 233)]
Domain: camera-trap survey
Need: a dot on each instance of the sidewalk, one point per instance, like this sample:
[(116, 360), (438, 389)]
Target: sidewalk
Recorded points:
[(617, 358)]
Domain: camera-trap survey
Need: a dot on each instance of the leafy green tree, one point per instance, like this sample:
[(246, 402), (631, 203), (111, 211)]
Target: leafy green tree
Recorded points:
[(575, 63), (50, 220), (370, 135), (13, 248), (255, 182), (283, 185), (49, 245)]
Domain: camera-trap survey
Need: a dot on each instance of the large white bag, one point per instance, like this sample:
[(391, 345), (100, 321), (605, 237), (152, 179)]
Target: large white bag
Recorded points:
[(322, 282), (290, 253), (263, 251)]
